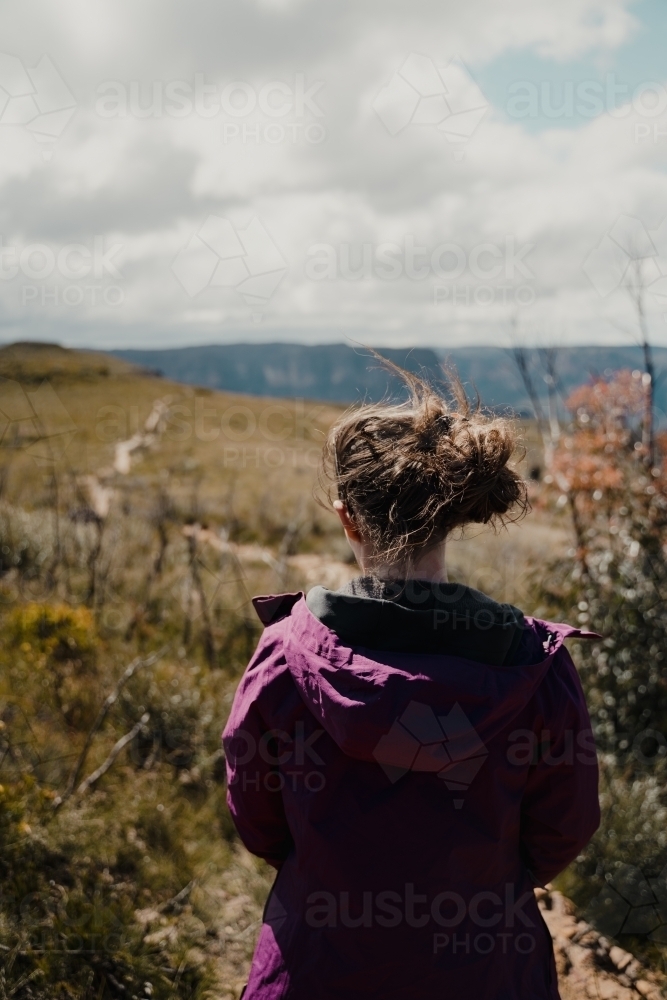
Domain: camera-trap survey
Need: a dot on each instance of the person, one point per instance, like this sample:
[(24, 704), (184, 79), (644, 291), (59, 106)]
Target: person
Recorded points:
[(413, 757)]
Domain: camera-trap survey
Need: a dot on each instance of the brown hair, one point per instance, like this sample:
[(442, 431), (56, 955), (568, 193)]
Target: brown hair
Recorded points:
[(411, 472)]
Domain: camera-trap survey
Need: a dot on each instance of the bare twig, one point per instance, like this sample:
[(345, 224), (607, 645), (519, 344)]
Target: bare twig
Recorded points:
[(20, 983), (636, 286), (93, 778), (55, 494), (181, 969), (160, 518), (179, 899), (158, 562), (109, 701), (92, 560), (520, 357), (209, 645), (55, 497), (549, 357), (230, 550), (104, 570), (4, 476), (578, 530), (292, 532), (550, 432)]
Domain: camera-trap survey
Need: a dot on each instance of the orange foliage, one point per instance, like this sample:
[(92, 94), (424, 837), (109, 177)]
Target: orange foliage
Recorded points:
[(605, 435)]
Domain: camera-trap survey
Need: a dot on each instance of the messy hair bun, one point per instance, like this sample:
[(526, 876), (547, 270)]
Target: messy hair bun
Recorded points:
[(410, 473)]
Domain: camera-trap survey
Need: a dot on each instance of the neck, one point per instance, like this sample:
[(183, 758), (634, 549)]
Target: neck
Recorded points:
[(428, 566)]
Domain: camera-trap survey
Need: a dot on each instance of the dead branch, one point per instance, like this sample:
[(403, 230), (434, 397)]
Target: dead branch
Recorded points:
[(636, 288), (549, 357), (292, 532), (55, 500), (520, 356), (109, 701), (93, 558), (160, 518), (93, 778), (578, 530), (209, 645), (178, 901), (235, 552)]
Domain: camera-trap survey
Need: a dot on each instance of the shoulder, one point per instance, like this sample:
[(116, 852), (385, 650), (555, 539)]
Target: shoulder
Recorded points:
[(532, 646), (268, 661), (561, 686), (273, 610), (267, 673)]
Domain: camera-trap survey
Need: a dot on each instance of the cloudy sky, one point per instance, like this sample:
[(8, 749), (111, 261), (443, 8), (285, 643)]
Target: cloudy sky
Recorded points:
[(429, 172)]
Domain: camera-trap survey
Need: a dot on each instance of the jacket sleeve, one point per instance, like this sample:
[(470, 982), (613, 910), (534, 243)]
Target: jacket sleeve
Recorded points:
[(560, 808), (253, 779)]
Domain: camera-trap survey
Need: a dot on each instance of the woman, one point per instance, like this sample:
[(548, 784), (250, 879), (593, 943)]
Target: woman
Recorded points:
[(411, 756)]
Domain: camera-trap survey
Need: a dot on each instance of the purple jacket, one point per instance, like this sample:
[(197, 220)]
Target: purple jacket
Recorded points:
[(410, 803)]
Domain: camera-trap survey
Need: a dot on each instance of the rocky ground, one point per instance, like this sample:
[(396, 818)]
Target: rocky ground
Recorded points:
[(588, 964)]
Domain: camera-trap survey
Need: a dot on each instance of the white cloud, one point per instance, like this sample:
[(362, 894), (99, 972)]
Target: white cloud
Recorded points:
[(149, 183)]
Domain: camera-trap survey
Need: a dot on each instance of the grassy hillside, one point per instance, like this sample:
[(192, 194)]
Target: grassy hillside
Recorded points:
[(137, 518)]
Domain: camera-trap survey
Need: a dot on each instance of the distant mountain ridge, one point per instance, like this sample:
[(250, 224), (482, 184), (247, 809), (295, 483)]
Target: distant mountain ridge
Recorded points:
[(340, 373), (327, 372)]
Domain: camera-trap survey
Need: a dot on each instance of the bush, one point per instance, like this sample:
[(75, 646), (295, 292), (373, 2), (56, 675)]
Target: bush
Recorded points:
[(614, 482), (59, 643)]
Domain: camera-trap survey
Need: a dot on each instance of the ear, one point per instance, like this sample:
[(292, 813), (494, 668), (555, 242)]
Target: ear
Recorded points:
[(346, 519)]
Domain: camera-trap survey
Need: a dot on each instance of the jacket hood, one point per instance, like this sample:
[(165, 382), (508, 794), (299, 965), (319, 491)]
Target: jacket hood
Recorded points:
[(414, 616), (406, 711)]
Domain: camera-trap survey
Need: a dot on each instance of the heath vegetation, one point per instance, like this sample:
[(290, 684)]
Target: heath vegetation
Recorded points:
[(137, 519)]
